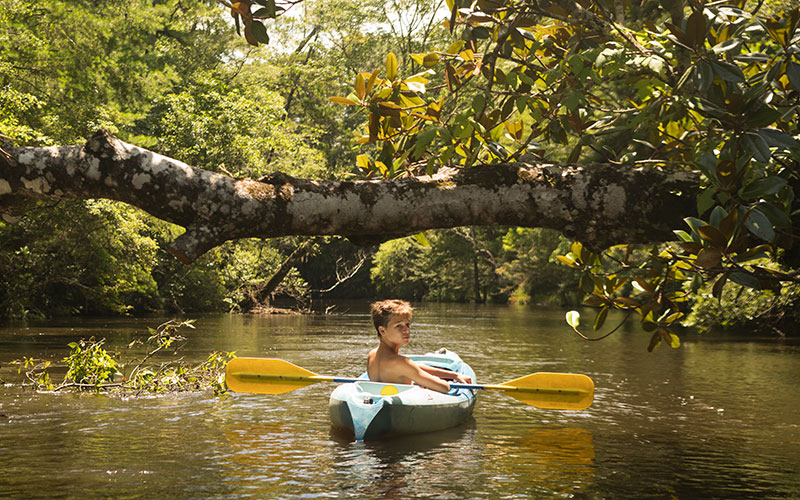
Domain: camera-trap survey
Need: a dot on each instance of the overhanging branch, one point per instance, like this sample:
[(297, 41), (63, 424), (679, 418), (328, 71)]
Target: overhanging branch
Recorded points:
[(600, 205)]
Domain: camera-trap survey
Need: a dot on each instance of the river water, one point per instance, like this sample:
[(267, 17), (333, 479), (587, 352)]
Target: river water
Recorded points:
[(717, 418)]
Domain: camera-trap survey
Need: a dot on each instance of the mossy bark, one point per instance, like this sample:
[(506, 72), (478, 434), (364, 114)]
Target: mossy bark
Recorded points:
[(600, 204)]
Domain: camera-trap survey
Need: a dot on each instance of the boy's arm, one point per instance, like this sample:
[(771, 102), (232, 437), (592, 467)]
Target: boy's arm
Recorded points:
[(446, 374), (421, 377)]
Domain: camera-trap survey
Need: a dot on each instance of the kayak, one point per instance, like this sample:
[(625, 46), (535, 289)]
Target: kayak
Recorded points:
[(375, 409)]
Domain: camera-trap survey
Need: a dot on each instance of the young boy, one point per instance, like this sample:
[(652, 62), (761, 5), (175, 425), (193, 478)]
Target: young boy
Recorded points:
[(392, 319)]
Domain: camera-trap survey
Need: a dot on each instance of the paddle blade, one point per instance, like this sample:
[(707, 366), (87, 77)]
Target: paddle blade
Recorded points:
[(554, 391), (266, 376)]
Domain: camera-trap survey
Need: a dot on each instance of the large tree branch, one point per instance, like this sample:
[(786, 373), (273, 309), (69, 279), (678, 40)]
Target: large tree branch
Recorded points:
[(599, 205)]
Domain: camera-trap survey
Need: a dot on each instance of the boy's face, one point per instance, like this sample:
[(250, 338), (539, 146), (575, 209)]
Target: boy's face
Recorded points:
[(398, 329)]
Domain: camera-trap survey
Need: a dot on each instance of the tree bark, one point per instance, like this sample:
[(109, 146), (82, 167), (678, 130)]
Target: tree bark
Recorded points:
[(599, 205)]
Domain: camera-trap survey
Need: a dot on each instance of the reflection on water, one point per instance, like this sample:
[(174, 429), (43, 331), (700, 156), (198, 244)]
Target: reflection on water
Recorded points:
[(713, 419)]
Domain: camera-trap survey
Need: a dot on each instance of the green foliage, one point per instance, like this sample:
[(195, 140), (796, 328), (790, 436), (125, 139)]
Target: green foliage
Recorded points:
[(90, 366), (527, 268), (241, 130), (80, 67), (91, 257), (161, 74), (741, 308), (477, 264)]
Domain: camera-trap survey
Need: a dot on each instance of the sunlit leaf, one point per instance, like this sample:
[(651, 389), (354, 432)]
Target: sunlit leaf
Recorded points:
[(573, 319), (391, 66), (712, 235), (343, 100)]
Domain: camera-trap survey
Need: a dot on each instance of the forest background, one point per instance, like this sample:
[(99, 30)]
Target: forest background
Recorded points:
[(174, 77)]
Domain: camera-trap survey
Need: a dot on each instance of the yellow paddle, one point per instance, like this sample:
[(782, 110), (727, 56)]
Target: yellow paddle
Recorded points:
[(555, 391)]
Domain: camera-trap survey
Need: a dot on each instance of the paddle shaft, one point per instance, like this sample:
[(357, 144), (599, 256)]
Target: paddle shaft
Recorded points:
[(342, 380)]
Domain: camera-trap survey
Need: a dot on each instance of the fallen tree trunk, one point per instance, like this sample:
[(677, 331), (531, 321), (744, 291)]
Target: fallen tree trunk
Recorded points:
[(600, 205)]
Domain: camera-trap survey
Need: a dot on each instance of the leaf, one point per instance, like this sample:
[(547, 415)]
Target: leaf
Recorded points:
[(600, 319), (696, 28), (793, 73), (343, 100), (706, 199), (709, 258), (756, 145), (712, 235), (717, 215), (623, 302), (361, 86), (674, 341), (259, 32), (567, 261), (762, 117), (573, 319), (716, 290), (680, 36), (776, 216), (430, 59), (643, 285), (655, 339), (683, 235), (456, 47), (727, 45), (727, 71), (423, 139), (758, 224), (728, 223), (762, 187), (703, 76), (587, 285), (745, 280), (362, 161), (391, 66), (371, 82), (778, 138)]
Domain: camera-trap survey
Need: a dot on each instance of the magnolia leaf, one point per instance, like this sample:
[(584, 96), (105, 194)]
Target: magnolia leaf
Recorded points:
[(793, 73), (259, 32), (600, 319), (727, 45), (745, 280), (567, 261), (778, 138), (762, 187), (654, 341), (727, 71), (758, 224), (573, 319), (712, 235), (343, 100), (756, 145), (391, 66), (361, 86), (709, 258)]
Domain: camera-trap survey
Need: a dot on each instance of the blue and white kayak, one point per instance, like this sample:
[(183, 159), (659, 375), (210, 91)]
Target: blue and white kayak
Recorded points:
[(374, 409)]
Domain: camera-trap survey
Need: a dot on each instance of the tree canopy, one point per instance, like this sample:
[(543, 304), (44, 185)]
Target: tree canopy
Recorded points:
[(671, 123)]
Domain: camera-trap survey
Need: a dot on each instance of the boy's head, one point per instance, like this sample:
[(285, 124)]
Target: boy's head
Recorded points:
[(384, 309)]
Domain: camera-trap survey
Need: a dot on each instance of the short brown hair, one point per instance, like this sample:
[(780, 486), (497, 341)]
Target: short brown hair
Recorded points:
[(383, 310)]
